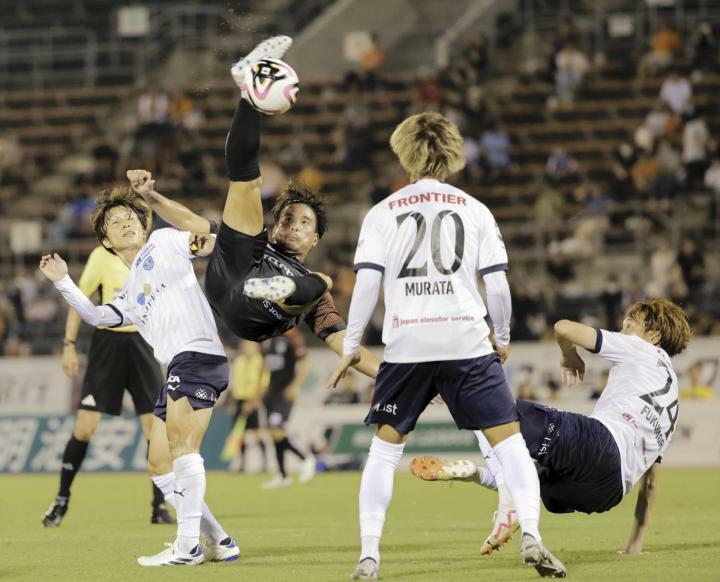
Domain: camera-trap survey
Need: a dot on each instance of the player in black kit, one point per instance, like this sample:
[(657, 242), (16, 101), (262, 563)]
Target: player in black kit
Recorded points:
[(256, 280)]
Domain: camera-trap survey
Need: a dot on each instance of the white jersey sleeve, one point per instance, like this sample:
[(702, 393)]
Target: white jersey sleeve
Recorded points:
[(492, 254), (617, 347), (114, 314), (177, 241), (371, 248)]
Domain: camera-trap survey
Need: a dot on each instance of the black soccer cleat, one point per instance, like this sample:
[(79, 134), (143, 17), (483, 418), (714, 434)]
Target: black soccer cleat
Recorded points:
[(161, 515), (57, 510)]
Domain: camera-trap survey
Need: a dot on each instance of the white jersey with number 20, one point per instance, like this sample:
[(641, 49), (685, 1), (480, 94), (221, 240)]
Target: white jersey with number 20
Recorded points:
[(431, 241)]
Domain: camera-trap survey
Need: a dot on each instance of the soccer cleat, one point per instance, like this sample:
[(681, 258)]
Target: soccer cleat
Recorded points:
[(170, 556), (505, 524), (277, 482), (307, 471), (226, 551), (533, 553), (366, 569), (57, 510), (274, 47), (271, 288), (434, 469), (161, 515)]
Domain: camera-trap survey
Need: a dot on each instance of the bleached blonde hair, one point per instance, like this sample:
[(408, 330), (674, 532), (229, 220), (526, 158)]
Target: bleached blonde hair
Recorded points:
[(428, 146)]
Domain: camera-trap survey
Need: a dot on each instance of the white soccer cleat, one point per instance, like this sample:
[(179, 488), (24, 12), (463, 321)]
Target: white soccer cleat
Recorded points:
[(170, 556), (434, 469), (366, 569), (307, 471), (505, 524), (274, 47), (271, 288), (277, 482), (222, 552), (533, 553)]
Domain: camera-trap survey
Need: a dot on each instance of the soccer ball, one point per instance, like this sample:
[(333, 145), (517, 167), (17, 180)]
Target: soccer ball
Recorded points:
[(271, 86)]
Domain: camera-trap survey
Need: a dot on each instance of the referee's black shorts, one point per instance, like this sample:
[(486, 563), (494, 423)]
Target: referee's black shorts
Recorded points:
[(119, 361)]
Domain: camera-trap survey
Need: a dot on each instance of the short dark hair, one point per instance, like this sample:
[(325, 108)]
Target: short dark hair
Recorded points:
[(298, 193), (119, 196), (666, 317)]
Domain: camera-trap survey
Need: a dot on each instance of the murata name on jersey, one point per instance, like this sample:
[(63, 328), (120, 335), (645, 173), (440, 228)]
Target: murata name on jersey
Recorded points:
[(163, 298), (639, 405), (431, 241)]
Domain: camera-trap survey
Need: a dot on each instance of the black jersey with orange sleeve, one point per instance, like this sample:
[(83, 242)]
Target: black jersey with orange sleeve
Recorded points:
[(237, 257)]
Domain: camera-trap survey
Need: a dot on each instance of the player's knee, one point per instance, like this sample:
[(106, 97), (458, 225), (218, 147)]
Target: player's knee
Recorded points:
[(85, 427)]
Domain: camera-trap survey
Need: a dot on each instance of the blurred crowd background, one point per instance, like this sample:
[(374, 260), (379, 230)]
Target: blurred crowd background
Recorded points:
[(591, 131)]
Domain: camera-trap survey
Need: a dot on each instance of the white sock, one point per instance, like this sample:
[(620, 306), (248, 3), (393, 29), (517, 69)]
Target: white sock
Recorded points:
[(495, 467), (189, 494), (376, 488), (522, 482), (209, 526), (486, 478)]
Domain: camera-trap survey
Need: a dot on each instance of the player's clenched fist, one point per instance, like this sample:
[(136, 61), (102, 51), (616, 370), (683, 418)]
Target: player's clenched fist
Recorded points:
[(141, 181), (53, 267)]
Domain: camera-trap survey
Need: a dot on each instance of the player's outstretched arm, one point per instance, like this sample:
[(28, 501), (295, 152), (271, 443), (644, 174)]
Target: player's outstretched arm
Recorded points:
[(55, 269), (243, 207), (570, 334), (645, 501), (364, 361), (174, 213)]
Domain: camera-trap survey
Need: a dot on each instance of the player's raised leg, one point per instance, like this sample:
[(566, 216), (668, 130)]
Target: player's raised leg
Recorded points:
[(274, 47)]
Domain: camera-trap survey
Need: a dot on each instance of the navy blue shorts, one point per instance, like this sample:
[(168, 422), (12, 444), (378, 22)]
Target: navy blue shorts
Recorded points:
[(474, 391), (580, 467), (200, 378)]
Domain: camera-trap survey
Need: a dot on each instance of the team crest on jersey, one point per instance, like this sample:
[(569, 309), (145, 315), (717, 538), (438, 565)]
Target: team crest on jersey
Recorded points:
[(149, 264), (141, 298)]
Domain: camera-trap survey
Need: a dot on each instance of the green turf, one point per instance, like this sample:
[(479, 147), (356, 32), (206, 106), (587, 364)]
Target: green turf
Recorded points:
[(309, 532)]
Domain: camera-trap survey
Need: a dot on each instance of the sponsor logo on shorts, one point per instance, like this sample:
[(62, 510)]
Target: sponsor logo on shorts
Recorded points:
[(387, 408)]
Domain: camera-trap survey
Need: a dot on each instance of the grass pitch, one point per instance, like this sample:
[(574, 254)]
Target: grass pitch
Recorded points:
[(310, 532)]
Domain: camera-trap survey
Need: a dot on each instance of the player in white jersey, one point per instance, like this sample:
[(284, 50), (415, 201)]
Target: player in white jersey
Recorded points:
[(589, 463), (163, 299), (430, 241)]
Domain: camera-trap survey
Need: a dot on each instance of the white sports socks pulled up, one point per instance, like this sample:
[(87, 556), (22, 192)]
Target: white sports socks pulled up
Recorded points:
[(495, 467), (209, 526), (189, 490), (376, 488), (522, 481)]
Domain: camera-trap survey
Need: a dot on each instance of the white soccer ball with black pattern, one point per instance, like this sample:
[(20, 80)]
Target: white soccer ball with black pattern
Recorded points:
[(271, 86)]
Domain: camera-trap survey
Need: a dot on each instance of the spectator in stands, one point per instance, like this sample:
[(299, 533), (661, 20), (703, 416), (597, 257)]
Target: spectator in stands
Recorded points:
[(590, 224), (695, 141), (677, 92), (274, 180), (657, 119), (153, 108), (666, 279), (549, 211), (704, 49), (611, 300), (524, 308), (670, 174), (561, 165), (429, 90), (623, 160), (571, 65), (644, 172), (495, 146), (712, 181), (664, 44), (692, 264), (475, 53)]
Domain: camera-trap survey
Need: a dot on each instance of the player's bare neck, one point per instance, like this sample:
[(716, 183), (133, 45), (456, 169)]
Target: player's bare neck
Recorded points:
[(127, 256)]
